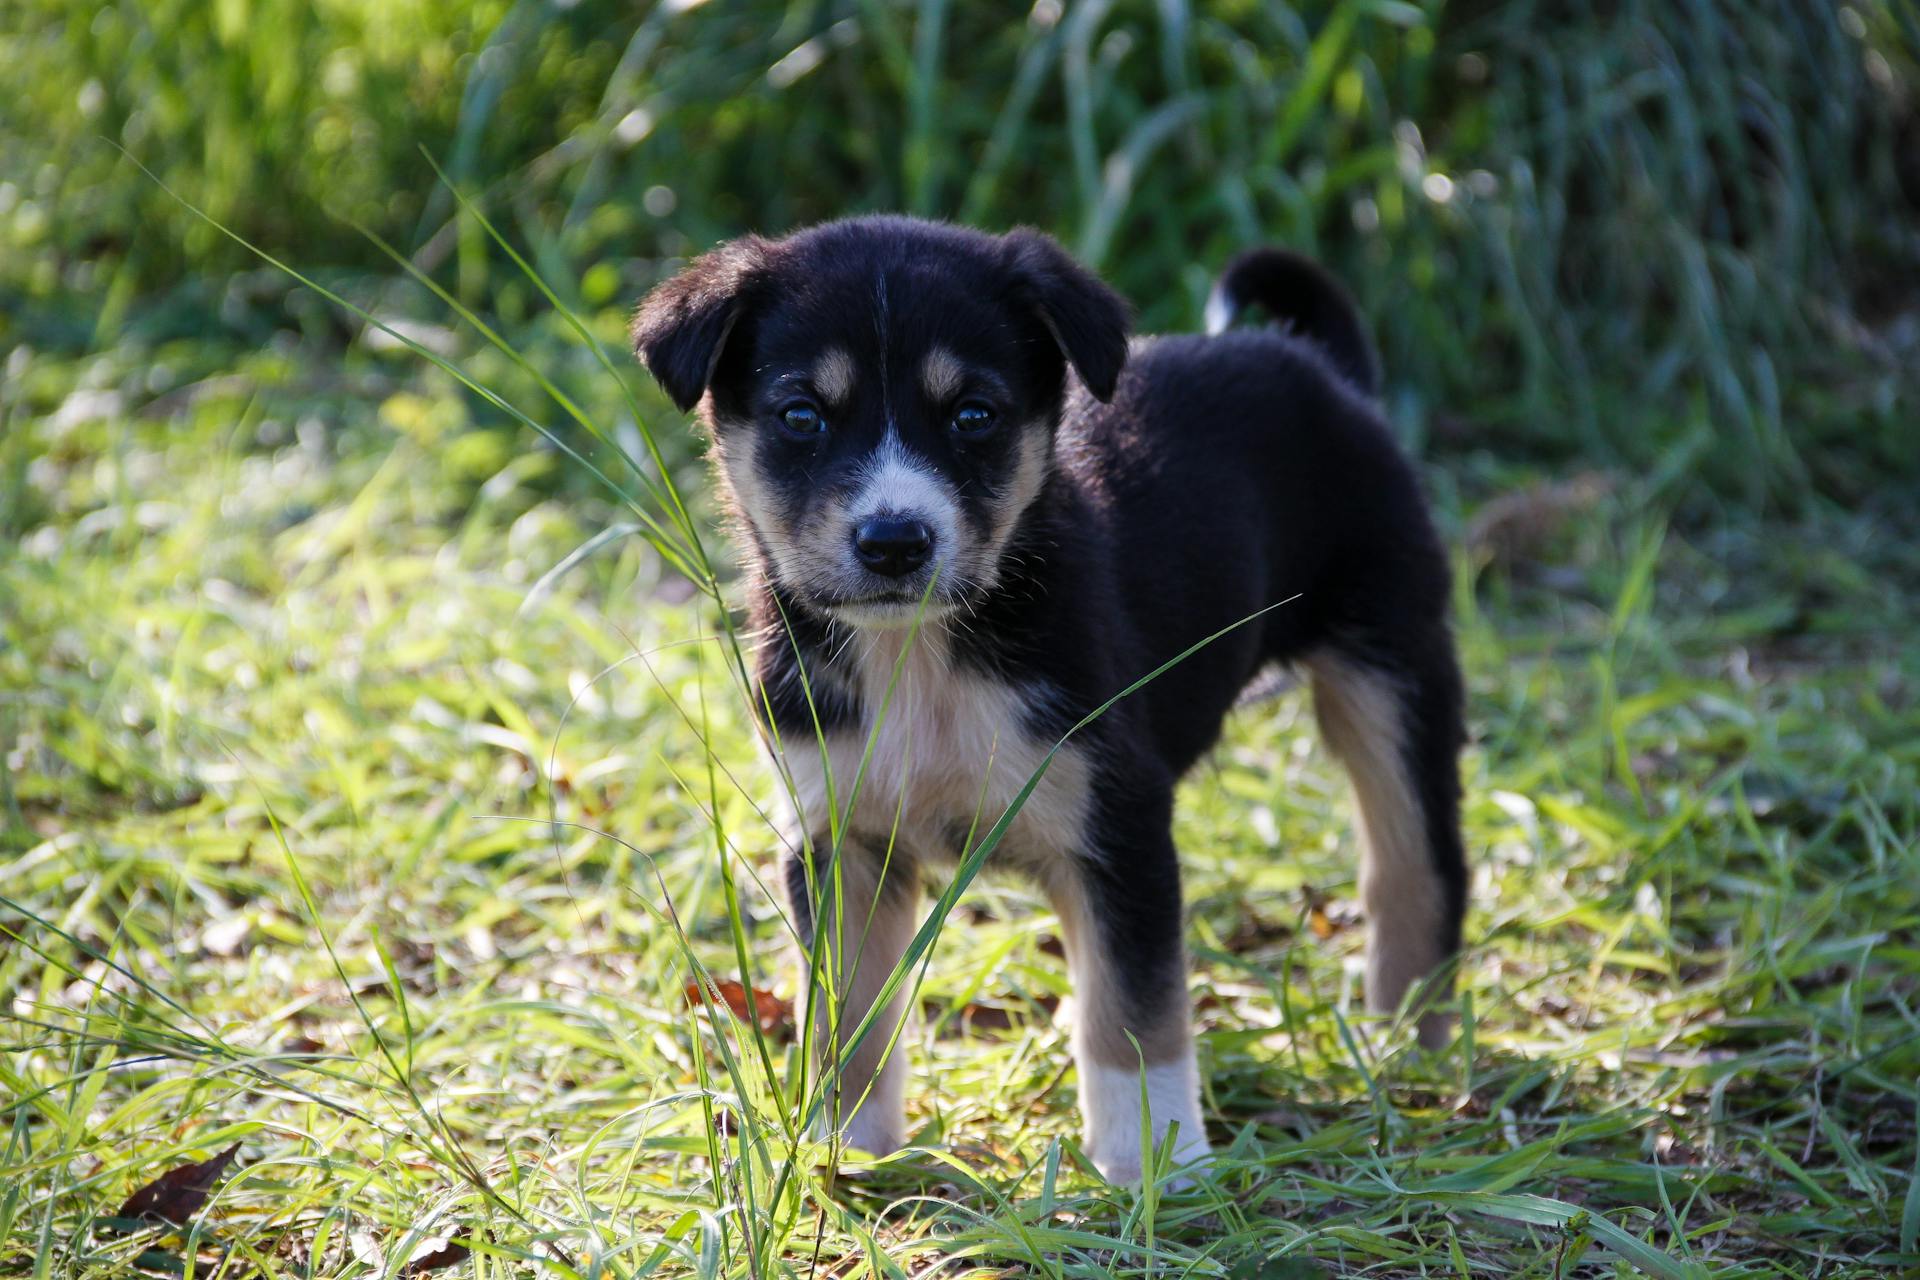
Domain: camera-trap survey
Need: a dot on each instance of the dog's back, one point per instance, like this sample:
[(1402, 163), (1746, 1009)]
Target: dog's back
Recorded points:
[(1240, 470)]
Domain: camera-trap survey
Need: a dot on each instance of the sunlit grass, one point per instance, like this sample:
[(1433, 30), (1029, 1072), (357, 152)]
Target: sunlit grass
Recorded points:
[(259, 640), (379, 780)]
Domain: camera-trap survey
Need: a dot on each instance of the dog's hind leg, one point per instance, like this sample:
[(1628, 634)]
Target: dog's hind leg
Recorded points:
[(1395, 724), (856, 919), (1120, 912)]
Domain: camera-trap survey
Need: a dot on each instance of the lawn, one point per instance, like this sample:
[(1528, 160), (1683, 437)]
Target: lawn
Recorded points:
[(384, 862), (334, 830)]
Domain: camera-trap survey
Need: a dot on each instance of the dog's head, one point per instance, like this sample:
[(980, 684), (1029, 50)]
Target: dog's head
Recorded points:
[(882, 394)]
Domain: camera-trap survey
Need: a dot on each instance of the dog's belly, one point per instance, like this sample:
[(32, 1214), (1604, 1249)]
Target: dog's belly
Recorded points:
[(952, 754)]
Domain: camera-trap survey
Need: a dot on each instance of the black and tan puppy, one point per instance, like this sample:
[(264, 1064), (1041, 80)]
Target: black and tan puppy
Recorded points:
[(914, 417)]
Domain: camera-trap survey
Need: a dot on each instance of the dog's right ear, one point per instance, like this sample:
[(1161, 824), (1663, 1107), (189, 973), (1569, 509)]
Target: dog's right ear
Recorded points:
[(680, 329), (1087, 319)]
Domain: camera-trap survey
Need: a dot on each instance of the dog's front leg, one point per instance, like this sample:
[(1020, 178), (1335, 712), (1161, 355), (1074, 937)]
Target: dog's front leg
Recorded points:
[(856, 913), (1120, 911)]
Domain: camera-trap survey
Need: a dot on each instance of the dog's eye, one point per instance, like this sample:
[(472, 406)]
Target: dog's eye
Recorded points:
[(801, 419), (972, 420)]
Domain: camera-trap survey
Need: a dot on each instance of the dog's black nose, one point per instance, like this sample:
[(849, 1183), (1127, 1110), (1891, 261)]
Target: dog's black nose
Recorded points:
[(892, 545)]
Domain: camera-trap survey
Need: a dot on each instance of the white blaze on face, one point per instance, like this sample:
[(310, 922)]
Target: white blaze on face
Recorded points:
[(898, 484), (818, 555)]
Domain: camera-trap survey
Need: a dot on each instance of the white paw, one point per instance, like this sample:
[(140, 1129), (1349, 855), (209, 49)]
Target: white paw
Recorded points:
[(1111, 1105), (1122, 1168), (872, 1130)]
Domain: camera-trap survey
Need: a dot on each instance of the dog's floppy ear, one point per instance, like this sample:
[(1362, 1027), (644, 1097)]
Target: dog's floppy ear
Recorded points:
[(1086, 318), (680, 329)]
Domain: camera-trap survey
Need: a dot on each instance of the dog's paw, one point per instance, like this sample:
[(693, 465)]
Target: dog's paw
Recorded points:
[(872, 1131), (1121, 1171), (1119, 1163), (1115, 1100)]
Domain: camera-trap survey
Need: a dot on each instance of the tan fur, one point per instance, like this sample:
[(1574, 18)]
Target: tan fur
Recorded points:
[(833, 375), (950, 757), (1403, 895), (941, 374), (862, 930), (740, 489), (1030, 468)]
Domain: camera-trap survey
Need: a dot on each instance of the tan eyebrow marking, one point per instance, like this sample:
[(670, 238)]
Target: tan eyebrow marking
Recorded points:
[(833, 376), (941, 374)]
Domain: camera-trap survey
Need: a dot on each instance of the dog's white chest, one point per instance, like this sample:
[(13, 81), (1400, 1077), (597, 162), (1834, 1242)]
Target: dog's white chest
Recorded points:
[(950, 752)]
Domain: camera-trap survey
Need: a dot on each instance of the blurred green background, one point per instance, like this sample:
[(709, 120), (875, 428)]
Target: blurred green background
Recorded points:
[(1679, 237)]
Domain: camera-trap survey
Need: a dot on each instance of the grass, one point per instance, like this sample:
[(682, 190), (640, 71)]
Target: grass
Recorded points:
[(377, 782), (336, 827), (1546, 206)]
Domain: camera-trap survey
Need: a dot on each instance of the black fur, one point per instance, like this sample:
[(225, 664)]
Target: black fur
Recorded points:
[(682, 327), (1300, 292), (1193, 482), (1087, 319)]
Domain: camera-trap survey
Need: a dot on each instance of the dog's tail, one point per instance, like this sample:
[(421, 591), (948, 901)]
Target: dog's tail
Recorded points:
[(1299, 291)]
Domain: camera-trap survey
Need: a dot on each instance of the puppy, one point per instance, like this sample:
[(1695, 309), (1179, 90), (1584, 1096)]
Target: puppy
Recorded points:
[(973, 513)]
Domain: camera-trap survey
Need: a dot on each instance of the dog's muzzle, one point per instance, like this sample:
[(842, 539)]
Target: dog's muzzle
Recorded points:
[(892, 546)]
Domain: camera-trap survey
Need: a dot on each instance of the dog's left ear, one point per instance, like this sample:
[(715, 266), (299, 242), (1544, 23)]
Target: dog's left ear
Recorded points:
[(681, 328), (1086, 318)]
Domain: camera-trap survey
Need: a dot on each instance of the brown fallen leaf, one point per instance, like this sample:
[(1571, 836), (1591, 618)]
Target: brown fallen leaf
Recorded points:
[(1329, 916), (1472, 1106), (1673, 1149), (773, 1015), (976, 1016), (986, 1017), (179, 1193), (1320, 922), (1255, 932), (434, 1253), (1519, 525), (367, 1251), (995, 1017)]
